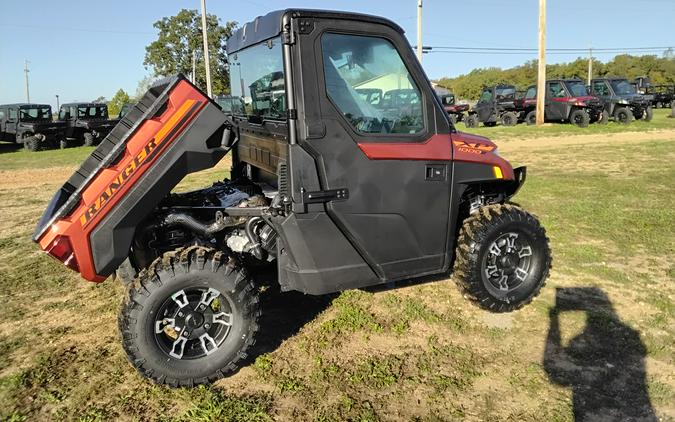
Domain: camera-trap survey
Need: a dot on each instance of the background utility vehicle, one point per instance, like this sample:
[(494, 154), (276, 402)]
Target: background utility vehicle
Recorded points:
[(30, 125), (661, 96), (621, 100), (455, 111), (86, 123), (334, 192), (567, 100), (496, 104)]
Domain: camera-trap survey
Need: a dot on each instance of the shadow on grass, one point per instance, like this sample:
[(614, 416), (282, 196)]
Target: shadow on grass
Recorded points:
[(603, 365), (283, 316)]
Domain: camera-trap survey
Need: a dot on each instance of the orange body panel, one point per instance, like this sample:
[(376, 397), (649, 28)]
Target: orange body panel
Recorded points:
[(110, 184)]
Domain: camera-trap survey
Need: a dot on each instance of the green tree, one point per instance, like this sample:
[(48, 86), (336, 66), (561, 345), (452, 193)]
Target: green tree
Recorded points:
[(180, 36), (118, 100)]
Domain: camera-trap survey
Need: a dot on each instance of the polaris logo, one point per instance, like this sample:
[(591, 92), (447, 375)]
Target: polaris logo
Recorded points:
[(118, 183)]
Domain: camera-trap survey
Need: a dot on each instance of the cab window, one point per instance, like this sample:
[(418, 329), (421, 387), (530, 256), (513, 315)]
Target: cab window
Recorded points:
[(486, 96), (556, 90), (355, 65), (257, 81), (599, 88), (12, 114), (531, 93)]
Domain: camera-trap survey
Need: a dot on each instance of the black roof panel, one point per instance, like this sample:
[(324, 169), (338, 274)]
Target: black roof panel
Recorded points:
[(269, 26), (83, 104), (25, 104)]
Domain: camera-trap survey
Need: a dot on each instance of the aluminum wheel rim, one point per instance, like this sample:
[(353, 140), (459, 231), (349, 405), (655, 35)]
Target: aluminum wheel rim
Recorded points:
[(193, 323), (508, 261)]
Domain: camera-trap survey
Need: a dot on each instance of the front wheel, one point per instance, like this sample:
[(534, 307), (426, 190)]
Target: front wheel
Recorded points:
[(580, 118), (509, 119), (471, 121), (648, 114), (623, 115), (89, 140), (531, 118), (32, 144), (190, 318), (503, 258)]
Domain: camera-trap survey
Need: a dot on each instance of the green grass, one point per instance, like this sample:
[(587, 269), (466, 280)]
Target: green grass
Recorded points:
[(418, 353)]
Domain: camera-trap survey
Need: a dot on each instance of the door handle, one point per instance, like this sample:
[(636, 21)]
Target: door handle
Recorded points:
[(434, 172)]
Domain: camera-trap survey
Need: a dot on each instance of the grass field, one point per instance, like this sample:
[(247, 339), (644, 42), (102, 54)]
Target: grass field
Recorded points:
[(420, 352)]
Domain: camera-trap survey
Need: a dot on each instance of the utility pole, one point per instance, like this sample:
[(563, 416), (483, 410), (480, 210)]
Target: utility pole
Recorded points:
[(194, 67), (590, 65), (419, 30), (207, 63), (25, 69), (541, 77), (57, 102)]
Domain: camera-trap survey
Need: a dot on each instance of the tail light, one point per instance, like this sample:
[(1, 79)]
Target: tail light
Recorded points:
[(61, 249)]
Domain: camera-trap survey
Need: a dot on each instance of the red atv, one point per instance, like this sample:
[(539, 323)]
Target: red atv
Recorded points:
[(455, 111), (567, 100)]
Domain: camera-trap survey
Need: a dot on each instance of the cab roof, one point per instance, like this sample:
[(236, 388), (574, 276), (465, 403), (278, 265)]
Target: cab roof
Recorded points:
[(83, 104), (269, 26), (25, 105)]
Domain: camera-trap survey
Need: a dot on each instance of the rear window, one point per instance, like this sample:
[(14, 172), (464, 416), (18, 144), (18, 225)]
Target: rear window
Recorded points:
[(257, 81), (35, 113)]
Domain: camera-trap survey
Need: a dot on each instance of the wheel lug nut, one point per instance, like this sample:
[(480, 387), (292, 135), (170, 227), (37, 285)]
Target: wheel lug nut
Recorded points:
[(180, 314), (207, 326)]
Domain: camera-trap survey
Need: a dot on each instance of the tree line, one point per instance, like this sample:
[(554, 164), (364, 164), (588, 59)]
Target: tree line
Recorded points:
[(661, 70)]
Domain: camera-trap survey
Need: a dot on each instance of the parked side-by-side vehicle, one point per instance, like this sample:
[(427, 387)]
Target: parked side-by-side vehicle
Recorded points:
[(30, 125), (85, 123), (334, 186), (495, 105), (620, 99), (567, 100)]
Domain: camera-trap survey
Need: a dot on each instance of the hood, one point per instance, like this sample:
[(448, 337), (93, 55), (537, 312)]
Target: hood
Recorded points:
[(472, 139)]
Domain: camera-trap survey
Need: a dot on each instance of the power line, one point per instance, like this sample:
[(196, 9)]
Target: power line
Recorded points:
[(566, 50)]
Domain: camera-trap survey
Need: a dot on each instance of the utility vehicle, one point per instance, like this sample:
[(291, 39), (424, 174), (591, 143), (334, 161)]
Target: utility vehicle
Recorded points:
[(496, 104), (455, 111), (621, 100), (86, 123), (334, 192), (30, 125), (567, 100)]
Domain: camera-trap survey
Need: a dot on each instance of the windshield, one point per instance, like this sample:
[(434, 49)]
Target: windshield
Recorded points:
[(448, 99), (504, 92), (35, 113), (622, 87), (577, 88), (257, 81), (92, 112)]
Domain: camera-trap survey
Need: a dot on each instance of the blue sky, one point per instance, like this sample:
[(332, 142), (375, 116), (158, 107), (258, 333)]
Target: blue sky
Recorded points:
[(83, 49)]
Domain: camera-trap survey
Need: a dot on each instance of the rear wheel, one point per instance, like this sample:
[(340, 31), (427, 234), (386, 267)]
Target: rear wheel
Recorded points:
[(89, 139), (471, 121), (648, 115), (190, 318), (580, 118), (509, 119), (503, 258), (623, 115), (531, 118)]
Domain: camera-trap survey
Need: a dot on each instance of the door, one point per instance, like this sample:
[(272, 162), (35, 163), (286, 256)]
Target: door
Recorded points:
[(485, 105), (601, 90), (396, 211), (556, 101), (65, 115), (11, 124)]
